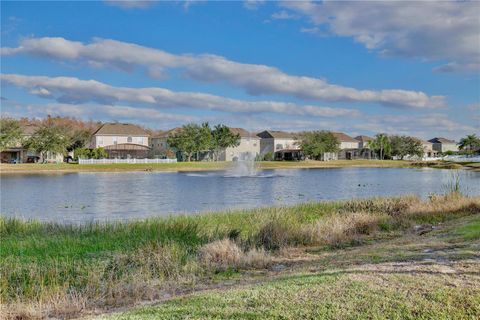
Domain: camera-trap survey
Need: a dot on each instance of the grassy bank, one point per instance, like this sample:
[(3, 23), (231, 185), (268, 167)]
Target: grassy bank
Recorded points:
[(54, 270), (194, 166), (207, 166)]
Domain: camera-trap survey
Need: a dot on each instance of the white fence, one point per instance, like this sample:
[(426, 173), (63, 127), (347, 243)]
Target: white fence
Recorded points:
[(107, 161), (446, 158)]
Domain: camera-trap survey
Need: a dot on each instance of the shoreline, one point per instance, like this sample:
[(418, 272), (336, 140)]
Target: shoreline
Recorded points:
[(142, 262), (9, 169)]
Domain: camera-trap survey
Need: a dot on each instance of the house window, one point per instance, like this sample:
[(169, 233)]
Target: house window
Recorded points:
[(279, 146), (140, 140), (115, 141), (129, 139), (100, 141)]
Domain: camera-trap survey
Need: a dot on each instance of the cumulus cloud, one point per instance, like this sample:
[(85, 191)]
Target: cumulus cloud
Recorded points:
[(75, 91), (255, 79), (431, 30)]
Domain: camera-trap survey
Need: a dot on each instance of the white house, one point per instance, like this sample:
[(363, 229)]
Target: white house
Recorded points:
[(273, 141), (443, 144), (249, 147), (122, 140)]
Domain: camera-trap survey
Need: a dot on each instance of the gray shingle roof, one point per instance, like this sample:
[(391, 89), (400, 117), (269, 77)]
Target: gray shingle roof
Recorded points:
[(121, 129)]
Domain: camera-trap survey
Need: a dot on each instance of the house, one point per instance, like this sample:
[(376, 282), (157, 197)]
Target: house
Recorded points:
[(351, 148), (159, 145), (443, 145), (122, 140), (363, 141), (248, 149), (428, 151), (18, 154), (273, 141)]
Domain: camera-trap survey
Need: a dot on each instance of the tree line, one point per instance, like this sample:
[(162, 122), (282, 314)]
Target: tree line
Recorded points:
[(193, 138)]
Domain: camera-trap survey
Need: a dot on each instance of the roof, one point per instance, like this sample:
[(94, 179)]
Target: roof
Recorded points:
[(441, 140), (243, 133), (168, 133), (342, 137), (276, 134), (363, 138), (121, 129), (29, 129)]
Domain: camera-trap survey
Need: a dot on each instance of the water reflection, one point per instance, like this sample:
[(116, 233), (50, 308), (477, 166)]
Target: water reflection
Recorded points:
[(84, 197)]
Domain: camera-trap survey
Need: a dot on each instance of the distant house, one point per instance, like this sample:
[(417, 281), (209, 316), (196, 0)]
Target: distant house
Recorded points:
[(159, 145), (351, 148), (18, 154), (122, 140), (273, 141), (428, 151), (249, 147), (363, 141), (443, 144)]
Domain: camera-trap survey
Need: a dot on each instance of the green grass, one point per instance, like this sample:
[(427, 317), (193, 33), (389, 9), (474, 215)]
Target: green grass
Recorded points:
[(194, 166), (470, 231), (120, 263), (338, 296)]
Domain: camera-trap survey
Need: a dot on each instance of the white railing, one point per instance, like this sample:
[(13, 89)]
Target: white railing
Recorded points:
[(130, 161)]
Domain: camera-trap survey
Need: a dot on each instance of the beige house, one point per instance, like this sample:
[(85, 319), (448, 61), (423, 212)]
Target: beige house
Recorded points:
[(428, 151), (248, 149), (273, 141), (159, 145), (346, 142), (443, 145), (18, 154), (363, 141), (122, 140)]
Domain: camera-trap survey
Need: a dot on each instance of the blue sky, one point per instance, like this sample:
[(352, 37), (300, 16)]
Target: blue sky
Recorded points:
[(362, 68)]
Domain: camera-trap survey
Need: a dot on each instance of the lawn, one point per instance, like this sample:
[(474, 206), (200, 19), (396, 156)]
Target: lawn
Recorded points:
[(194, 166), (65, 271)]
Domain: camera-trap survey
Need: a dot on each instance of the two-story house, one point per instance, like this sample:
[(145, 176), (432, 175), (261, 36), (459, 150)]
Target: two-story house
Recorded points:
[(273, 141), (248, 149), (443, 145), (122, 140)]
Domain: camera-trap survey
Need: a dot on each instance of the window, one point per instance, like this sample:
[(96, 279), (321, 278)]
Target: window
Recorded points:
[(129, 139), (100, 141), (279, 146), (115, 140), (140, 140)]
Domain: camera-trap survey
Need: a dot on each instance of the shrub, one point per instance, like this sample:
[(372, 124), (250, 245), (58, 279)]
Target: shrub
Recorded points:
[(272, 236)]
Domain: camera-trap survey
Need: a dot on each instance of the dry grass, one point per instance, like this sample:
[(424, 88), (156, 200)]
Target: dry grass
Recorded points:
[(222, 255), (43, 281), (337, 230)]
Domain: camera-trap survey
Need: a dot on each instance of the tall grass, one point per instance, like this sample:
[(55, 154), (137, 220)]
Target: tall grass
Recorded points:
[(45, 267)]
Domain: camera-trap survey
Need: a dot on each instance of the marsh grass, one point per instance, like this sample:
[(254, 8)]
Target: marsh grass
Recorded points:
[(49, 269)]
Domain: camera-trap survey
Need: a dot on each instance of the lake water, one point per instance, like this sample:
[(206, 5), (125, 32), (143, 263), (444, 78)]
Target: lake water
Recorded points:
[(84, 197)]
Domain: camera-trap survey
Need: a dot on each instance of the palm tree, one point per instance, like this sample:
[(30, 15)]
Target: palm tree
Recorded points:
[(381, 143), (471, 143)]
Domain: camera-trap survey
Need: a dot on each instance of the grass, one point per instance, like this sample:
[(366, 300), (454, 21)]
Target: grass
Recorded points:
[(194, 166), (47, 268), (337, 296)]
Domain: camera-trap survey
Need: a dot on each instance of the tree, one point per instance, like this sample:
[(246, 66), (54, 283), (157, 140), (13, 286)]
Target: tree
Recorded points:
[(470, 143), (223, 138), (10, 133), (402, 146), (78, 138), (49, 138), (381, 144), (185, 140), (315, 143), (98, 153)]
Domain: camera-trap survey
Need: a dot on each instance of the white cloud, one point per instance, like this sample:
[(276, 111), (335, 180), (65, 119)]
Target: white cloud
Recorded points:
[(131, 4), (253, 4), (431, 30), (255, 79), (75, 91), (283, 15)]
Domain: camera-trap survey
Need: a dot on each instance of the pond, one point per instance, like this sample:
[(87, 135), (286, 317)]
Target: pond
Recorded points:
[(86, 197)]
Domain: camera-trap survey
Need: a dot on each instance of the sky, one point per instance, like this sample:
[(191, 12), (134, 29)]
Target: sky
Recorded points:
[(407, 67)]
